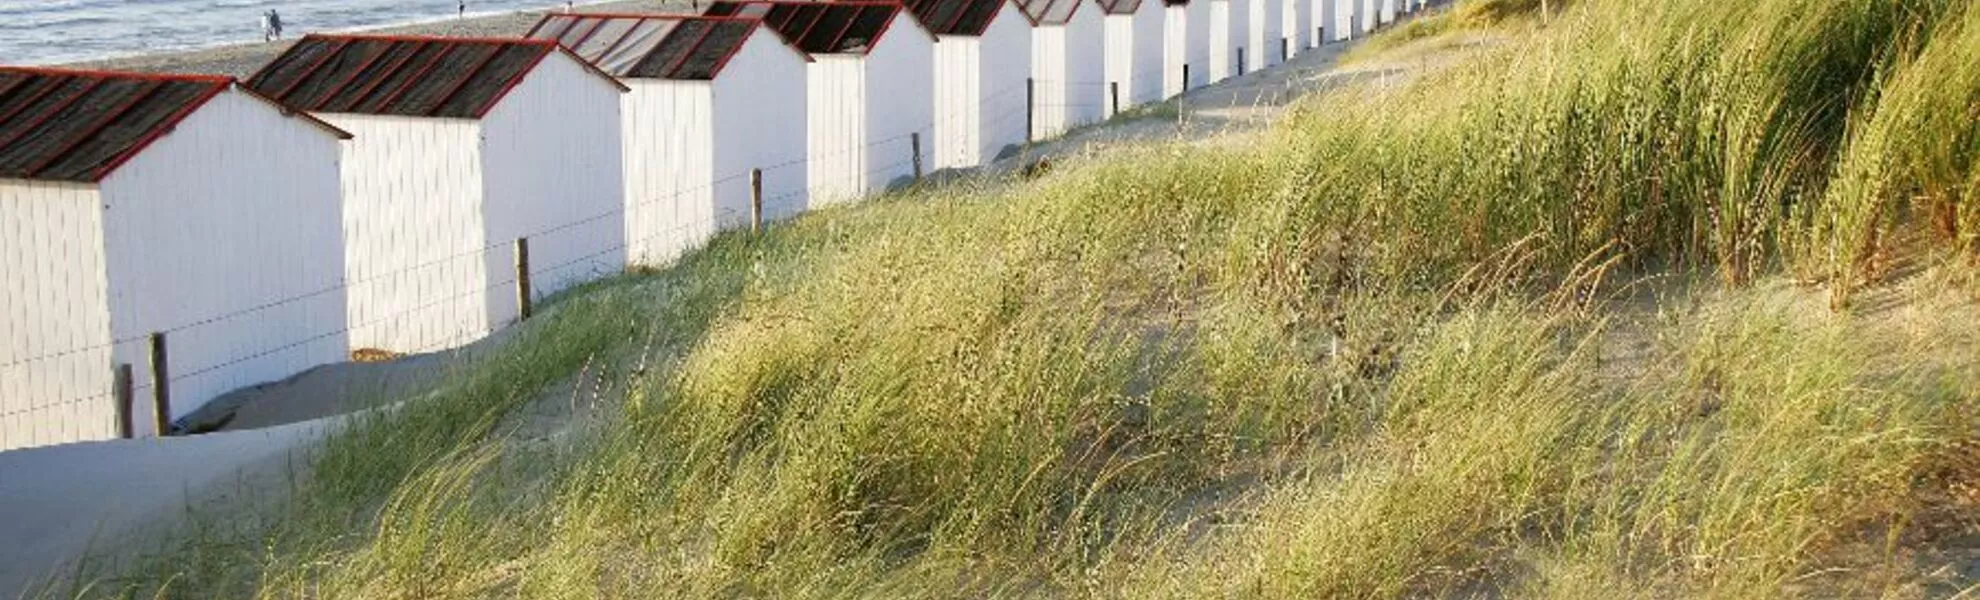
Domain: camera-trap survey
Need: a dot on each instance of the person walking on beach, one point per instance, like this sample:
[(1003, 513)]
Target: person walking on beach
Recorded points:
[(275, 21), (462, 8), (268, 26)]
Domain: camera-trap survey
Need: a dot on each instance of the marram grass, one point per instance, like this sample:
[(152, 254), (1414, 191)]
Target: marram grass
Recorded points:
[(1538, 323)]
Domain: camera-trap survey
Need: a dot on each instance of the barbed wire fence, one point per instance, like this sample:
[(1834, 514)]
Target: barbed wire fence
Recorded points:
[(445, 299)]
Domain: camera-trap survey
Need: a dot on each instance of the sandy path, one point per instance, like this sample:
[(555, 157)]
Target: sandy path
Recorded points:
[(63, 501)]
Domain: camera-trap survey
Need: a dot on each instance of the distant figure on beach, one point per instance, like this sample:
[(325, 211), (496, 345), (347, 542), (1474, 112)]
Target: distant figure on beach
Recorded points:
[(462, 7), (275, 21), (567, 6), (268, 26)]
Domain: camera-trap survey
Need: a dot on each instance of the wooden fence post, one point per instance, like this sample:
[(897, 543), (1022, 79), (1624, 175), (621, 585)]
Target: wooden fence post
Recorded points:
[(161, 387), (523, 307), (125, 397), (1240, 65), (1285, 49), (914, 145), (1185, 82), (1114, 91), (1030, 107), (755, 201)]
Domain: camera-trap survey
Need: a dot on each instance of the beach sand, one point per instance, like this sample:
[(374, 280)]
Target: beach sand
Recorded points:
[(242, 60)]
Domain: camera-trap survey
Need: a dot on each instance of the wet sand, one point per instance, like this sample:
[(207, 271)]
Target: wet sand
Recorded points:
[(242, 60)]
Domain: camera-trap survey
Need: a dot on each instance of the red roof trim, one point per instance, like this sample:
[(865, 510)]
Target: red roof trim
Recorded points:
[(166, 126), (301, 77), (106, 74), (496, 100), (438, 57), (637, 23), (587, 35), (291, 112), (10, 87), (682, 60), (38, 120), (471, 73), (382, 76), (332, 92), (89, 134), (30, 102)]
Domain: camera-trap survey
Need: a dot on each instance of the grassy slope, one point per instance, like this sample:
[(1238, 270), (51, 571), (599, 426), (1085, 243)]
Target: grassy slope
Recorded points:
[(1384, 352)]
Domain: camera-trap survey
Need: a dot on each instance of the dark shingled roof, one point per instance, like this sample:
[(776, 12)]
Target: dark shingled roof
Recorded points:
[(1120, 7), (955, 17), (80, 125), (1050, 12), (817, 27), (400, 75), (649, 46)]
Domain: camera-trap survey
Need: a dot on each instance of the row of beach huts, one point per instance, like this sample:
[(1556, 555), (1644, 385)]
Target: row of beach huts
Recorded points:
[(169, 238)]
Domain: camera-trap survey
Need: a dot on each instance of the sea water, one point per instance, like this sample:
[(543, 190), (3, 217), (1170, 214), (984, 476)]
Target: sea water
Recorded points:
[(39, 32)]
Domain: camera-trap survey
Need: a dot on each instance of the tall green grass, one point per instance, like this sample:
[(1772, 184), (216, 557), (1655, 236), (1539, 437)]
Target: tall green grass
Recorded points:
[(1385, 351)]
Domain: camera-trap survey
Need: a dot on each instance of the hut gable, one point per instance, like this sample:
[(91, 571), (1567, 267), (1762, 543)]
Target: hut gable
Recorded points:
[(650, 46), (405, 76), (1120, 7), (817, 27), (78, 126), (1055, 12), (955, 17)]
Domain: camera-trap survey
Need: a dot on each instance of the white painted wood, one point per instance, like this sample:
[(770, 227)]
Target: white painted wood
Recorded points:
[(899, 81), (670, 165), (861, 110), (54, 319), (553, 172), (1068, 61), (413, 232), (760, 124), (688, 147), (1135, 54), (226, 233), (433, 208), (979, 108), (1223, 43), (1268, 45), (1300, 17), (1186, 42)]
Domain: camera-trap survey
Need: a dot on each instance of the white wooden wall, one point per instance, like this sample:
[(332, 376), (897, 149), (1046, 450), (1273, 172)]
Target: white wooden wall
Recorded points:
[(899, 81), (234, 216), (1006, 65), (1186, 41), (1295, 20), (1135, 54), (760, 117), (1267, 34), (668, 147), (959, 81), (554, 173), (1222, 42), (835, 114), (54, 319), (1067, 62), (414, 234)]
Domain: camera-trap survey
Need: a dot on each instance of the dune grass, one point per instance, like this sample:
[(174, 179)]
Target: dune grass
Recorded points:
[(1553, 321)]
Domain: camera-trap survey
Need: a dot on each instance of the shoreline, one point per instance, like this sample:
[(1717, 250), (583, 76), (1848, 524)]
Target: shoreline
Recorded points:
[(243, 59)]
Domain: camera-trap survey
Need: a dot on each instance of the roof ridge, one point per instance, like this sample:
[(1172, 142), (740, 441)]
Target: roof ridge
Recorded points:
[(110, 74)]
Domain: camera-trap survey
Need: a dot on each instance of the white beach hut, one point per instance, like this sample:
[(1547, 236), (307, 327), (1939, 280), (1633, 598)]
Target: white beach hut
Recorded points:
[(1068, 64), (867, 90), (133, 204), (982, 61), (1134, 53), (1297, 21), (712, 99), (1224, 37), (1186, 45), (1264, 40), (464, 146)]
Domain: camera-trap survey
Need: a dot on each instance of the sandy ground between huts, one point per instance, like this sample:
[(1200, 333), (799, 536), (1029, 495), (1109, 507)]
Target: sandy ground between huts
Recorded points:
[(63, 502)]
